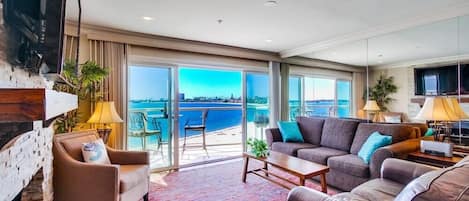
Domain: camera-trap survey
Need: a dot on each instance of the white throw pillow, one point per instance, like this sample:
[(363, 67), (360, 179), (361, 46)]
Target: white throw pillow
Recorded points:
[(95, 152), (392, 119)]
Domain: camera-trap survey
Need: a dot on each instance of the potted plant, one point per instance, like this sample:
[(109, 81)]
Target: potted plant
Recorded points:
[(84, 85), (381, 91), (258, 147)]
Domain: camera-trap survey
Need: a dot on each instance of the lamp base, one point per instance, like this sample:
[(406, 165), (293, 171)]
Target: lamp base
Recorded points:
[(104, 134)]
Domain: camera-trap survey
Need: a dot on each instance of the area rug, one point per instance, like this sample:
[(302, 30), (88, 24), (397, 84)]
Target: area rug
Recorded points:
[(219, 182)]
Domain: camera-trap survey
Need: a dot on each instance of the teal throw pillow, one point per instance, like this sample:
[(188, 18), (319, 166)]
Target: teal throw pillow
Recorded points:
[(429, 132), (290, 131), (374, 142)]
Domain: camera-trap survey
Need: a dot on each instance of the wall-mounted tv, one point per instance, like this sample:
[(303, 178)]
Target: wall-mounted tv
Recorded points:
[(436, 81), (35, 31)]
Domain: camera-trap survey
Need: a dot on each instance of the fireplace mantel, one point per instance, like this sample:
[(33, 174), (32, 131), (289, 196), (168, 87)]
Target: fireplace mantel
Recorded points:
[(28, 105), (20, 107)]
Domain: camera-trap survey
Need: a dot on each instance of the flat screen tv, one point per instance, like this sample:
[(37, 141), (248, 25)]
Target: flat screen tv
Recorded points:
[(436, 81), (464, 78), (35, 31)]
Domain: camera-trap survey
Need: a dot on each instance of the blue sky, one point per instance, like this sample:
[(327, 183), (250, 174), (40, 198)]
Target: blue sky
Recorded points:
[(148, 82), (209, 83), (152, 83), (257, 85)]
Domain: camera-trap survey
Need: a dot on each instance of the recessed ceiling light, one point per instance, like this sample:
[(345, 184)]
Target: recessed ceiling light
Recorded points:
[(147, 18), (270, 3), (268, 41)]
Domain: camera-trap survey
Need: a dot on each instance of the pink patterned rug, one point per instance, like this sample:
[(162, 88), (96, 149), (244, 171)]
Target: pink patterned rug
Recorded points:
[(219, 182)]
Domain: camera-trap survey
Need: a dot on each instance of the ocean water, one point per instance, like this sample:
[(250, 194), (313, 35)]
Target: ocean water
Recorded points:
[(222, 119)]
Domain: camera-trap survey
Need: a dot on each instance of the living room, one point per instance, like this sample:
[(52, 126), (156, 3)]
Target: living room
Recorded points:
[(234, 100)]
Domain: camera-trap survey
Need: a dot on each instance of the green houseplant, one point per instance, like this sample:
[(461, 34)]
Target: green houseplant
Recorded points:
[(381, 91), (84, 85), (258, 147)]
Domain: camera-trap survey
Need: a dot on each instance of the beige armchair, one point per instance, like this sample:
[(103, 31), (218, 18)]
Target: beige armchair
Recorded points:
[(74, 180)]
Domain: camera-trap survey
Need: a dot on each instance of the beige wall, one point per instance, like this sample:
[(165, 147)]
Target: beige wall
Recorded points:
[(401, 78)]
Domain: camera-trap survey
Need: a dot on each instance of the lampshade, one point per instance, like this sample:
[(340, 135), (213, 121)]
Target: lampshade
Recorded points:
[(437, 109), (371, 105), (457, 110), (105, 112)]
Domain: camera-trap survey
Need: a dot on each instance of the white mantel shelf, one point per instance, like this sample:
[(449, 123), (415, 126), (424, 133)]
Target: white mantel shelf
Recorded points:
[(35, 104)]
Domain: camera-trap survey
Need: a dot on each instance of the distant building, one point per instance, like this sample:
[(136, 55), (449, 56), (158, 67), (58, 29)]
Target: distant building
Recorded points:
[(182, 97)]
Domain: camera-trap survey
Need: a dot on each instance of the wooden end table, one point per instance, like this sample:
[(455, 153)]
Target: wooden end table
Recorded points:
[(437, 161), (303, 169)]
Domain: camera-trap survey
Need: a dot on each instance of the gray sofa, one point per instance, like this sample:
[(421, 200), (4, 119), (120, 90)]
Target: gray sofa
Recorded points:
[(336, 142), (402, 181)]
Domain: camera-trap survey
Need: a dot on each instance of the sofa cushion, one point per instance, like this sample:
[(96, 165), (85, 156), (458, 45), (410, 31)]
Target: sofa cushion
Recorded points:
[(338, 133), (311, 128), (374, 142), (350, 164), (290, 131), (398, 132), (445, 184), (131, 176), (73, 145), (345, 197), (290, 148), (320, 154), (378, 189)]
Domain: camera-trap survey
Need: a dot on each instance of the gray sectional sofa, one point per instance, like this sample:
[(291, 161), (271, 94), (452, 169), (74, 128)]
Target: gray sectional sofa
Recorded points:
[(402, 181), (336, 142)]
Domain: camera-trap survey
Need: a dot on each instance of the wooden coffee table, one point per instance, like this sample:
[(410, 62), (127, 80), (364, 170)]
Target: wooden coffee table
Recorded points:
[(303, 169)]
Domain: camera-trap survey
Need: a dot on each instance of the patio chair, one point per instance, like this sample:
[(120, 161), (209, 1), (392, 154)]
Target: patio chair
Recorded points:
[(194, 125), (139, 128), (261, 121)]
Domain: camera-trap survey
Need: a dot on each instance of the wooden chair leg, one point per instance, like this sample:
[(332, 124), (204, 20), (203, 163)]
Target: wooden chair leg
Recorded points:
[(160, 145), (203, 139), (143, 142), (185, 135)]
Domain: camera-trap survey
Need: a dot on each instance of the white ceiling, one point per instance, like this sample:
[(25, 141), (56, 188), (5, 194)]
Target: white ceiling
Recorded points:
[(432, 41), (248, 23)]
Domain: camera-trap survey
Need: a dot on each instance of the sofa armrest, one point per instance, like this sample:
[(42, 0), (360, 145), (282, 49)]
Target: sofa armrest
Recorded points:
[(397, 150), (402, 171), (76, 180), (305, 194), (273, 135), (128, 157)]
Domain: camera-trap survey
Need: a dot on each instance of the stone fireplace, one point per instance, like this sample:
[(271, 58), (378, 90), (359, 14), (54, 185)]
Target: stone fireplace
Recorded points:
[(26, 157), (26, 165)]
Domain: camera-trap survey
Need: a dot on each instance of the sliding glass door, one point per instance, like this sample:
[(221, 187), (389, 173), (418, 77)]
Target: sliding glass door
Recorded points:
[(150, 108), (294, 97), (210, 108), (257, 104), (319, 97), (344, 98)]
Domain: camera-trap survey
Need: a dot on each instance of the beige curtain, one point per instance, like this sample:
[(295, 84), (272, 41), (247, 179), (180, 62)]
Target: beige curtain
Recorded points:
[(70, 47), (284, 92), (358, 88), (114, 88)]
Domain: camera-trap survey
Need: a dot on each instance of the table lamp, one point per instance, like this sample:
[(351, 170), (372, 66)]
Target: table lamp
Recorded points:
[(437, 109), (105, 114), (457, 110), (371, 107)]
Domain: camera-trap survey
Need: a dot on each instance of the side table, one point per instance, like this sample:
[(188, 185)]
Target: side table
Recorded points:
[(437, 161)]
